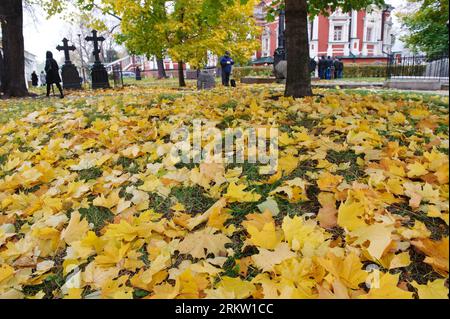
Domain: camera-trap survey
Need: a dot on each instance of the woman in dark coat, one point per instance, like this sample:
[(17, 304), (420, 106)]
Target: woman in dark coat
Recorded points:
[(52, 71), (34, 79)]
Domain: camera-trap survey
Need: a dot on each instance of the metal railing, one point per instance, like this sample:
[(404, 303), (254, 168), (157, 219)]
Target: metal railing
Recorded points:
[(418, 67)]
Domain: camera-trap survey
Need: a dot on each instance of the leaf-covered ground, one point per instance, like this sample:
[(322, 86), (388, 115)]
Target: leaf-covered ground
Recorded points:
[(93, 206)]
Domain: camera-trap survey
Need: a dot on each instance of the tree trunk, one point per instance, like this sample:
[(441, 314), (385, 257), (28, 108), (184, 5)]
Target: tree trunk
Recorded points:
[(298, 82), (161, 70), (2, 73), (11, 15), (181, 80)]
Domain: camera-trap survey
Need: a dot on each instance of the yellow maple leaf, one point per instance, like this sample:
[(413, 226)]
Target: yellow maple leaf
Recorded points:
[(329, 182), (432, 290), (351, 215), (109, 202), (436, 252), (195, 244), (267, 259), (117, 289), (288, 164), (399, 261), (327, 215), (348, 269), (236, 193), (76, 229), (235, 288), (387, 288), (378, 236), (166, 291), (303, 235), (416, 170), (214, 212), (6, 272), (261, 228)]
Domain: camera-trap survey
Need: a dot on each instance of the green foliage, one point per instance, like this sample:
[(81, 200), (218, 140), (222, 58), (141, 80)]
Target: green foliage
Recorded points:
[(350, 71), (240, 72), (325, 7), (362, 70), (187, 29), (426, 25)]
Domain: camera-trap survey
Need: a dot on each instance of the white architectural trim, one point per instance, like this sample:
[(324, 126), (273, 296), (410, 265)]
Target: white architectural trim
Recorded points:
[(315, 35), (336, 23), (354, 31)]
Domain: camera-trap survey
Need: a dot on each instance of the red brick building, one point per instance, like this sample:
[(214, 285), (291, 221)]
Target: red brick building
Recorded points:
[(358, 37)]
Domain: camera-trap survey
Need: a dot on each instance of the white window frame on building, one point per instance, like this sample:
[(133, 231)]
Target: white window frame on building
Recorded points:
[(344, 31), (338, 33), (266, 42), (370, 35), (339, 19)]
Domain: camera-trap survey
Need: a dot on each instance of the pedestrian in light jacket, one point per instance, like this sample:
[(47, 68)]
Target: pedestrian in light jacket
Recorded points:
[(42, 78)]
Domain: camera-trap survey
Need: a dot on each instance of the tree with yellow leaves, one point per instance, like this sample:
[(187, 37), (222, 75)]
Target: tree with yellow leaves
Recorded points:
[(187, 30)]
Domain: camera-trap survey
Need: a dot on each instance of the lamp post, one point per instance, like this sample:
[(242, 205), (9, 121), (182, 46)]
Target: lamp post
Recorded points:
[(82, 60), (280, 52)]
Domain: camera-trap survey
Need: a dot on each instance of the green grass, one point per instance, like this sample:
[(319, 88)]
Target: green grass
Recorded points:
[(350, 174), (193, 198), (129, 165), (153, 82), (98, 216), (91, 173)]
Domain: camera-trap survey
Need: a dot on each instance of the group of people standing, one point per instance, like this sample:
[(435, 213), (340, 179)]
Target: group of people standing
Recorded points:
[(38, 80), (330, 68), (50, 77)]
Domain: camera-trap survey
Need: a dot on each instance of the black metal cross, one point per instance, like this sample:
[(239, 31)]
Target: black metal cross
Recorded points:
[(66, 48), (95, 39)]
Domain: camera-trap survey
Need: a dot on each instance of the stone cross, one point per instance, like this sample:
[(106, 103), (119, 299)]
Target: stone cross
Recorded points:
[(95, 39), (66, 48)]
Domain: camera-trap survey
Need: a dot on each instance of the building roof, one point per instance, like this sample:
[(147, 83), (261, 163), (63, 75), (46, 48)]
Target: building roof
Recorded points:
[(263, 60)]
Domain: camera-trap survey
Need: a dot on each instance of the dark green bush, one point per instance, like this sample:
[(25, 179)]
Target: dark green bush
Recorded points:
[(350, 71), (240, 72)]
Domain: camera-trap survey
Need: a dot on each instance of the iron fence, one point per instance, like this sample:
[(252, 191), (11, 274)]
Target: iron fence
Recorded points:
[(418, 67)]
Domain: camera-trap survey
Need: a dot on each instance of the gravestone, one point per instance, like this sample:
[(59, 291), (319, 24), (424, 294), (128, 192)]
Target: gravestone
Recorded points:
[(117, 75), (280, 70), (70, 75), (192, 74), (98, 71), (205, 81)]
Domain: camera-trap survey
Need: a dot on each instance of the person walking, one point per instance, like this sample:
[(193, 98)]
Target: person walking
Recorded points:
[(312, 66), (339, 69), (52, 71), (226, 62), (335, 67), (329, 66), (34, 79), (42, 78), (322, 67)]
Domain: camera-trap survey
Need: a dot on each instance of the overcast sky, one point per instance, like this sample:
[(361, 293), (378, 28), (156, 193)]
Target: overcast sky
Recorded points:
[(42, 34)]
